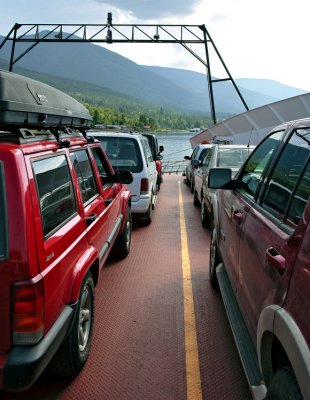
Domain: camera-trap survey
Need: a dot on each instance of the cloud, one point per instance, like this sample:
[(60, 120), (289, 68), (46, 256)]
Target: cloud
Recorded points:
[(150, 9)]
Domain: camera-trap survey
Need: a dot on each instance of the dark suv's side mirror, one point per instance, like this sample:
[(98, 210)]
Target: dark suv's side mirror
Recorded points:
[(123, 177)]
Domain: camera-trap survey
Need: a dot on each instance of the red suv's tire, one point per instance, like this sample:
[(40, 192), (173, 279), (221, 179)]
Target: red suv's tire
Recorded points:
[(73, 353), (121, 247)]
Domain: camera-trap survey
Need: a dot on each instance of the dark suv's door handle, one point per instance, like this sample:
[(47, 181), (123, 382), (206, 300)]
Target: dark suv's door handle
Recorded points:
[(237, 216), (275, 260), (91, 218)]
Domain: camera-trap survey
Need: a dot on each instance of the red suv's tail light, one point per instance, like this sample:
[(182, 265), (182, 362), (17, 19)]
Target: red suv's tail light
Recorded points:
[(28, 312), (144, 189)]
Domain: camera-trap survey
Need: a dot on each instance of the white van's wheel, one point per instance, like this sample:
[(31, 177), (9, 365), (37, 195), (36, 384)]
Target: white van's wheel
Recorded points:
[(149, 214)]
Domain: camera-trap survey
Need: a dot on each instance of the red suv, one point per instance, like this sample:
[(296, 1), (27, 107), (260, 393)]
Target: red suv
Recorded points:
[(62, 208), (261, 239)]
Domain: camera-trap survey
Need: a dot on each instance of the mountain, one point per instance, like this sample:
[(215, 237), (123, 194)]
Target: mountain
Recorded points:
[(168, 87), (225, 96), (270, 88)]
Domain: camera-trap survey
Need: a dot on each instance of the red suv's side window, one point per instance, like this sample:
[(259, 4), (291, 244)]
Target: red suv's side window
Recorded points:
[(288, 189), (55, 189), (85, 174)]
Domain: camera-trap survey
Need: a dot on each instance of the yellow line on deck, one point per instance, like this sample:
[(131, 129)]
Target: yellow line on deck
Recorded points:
[(193, 382)]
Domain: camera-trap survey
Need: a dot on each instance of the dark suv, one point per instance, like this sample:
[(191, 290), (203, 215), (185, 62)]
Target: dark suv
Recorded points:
[(157, 157), (62, 208), (261, 239)]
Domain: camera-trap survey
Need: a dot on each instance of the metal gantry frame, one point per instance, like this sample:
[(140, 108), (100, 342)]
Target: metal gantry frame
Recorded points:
[(109, 33)]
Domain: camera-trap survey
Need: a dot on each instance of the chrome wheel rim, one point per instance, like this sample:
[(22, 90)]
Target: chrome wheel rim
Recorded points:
[(84, 318), (212, 251), (128, 234)]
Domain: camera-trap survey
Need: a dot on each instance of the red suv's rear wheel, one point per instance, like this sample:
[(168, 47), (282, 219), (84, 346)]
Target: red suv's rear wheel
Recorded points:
[(73, 353)]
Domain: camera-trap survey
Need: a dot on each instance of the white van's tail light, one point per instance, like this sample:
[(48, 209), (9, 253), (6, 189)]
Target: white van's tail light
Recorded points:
[(28, 312), (144, 189)]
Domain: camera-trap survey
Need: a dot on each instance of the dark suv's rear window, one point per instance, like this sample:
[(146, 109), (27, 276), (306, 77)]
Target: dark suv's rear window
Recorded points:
[(124, 153), (3, 217)]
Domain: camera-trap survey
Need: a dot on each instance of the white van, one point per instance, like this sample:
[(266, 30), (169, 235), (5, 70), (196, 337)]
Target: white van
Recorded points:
[(131, 152)]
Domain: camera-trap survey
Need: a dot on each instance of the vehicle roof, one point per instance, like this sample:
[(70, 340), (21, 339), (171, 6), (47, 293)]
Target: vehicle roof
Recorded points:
[(114, 134), (235, 146)]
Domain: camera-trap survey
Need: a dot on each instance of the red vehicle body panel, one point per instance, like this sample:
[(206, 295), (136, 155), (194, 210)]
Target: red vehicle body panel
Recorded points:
[(62, 259)]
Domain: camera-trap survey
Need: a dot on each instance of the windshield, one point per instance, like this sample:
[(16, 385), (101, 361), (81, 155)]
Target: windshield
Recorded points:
[(124, 153), (232, 158)]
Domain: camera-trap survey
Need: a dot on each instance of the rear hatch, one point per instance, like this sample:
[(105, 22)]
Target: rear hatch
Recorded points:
[(125, 154)]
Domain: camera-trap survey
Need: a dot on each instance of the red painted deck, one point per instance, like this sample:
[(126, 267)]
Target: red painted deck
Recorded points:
[(138, 350)]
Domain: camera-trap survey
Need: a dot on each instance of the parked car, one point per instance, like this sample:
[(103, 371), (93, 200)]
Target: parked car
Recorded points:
[(62, 209), (261, 239), (199, 153), (132, 152), (156, 149), (220, 155)]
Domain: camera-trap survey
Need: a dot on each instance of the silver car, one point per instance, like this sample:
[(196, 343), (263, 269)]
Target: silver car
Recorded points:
[(220, 155)]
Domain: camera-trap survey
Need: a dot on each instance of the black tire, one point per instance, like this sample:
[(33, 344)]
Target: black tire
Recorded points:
[(214, 258), (192, 184), (159, 181), (122, 245), (148, 216), (204, 216), (196, 200), (73, 352), (284, 386)]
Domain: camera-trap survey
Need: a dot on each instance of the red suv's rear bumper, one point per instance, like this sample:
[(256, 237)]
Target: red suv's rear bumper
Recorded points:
[(25, 363)]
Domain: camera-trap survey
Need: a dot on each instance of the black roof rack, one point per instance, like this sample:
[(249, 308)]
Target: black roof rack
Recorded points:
[(27, 103)]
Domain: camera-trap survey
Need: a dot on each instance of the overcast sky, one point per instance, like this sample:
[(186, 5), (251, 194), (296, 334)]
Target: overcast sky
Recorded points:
[(256, 38)]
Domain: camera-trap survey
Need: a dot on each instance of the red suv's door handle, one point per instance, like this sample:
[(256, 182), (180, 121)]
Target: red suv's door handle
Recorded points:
[(108, 201), (275, 259), (91, 218)]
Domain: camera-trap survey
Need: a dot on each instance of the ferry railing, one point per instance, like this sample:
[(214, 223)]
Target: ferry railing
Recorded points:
[(173, 166)]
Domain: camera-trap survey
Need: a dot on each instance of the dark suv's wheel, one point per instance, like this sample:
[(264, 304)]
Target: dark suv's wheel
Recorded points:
[(121, 247), (284, 386), (73, 353), (214, 258)]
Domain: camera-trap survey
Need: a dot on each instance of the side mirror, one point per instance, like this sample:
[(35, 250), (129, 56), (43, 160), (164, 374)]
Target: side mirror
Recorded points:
[(123, 177), (195, 163), (161, 148), (220, 178), (187, 158)]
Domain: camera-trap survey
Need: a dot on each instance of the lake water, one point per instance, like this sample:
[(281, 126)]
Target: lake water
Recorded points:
[(177, 145)]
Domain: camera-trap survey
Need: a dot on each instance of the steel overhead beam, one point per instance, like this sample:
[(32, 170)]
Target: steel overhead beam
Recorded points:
[(109, 33)]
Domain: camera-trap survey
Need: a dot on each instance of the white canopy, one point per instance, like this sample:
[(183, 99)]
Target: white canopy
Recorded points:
[(252, 126)]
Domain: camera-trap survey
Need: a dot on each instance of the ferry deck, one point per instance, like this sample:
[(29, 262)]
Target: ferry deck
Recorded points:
[(161, 331)]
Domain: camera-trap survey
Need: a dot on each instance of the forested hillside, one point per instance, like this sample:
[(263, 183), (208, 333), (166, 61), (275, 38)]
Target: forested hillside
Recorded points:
[(109, 107)]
